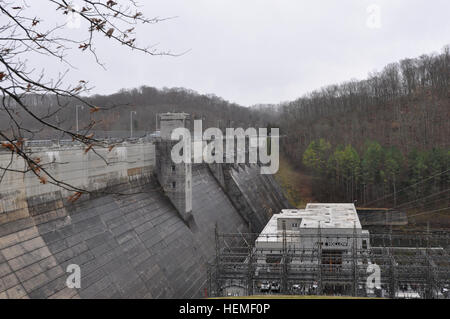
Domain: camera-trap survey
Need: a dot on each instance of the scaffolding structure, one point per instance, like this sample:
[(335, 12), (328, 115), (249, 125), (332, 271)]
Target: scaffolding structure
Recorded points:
[(408, 265)]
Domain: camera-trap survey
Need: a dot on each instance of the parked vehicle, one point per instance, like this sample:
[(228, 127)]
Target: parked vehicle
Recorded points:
[(265, 286), (297, 288), (275, 287)]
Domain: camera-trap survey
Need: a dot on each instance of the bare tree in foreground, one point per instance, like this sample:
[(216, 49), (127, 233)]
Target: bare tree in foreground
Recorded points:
[(22, 35)]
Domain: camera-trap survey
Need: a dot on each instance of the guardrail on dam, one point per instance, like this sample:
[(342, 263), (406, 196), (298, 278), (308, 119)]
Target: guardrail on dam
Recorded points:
[(133, 245)]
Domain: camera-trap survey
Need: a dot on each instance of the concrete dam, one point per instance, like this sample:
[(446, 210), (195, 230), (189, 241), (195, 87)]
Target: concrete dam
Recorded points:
[(129, 236)]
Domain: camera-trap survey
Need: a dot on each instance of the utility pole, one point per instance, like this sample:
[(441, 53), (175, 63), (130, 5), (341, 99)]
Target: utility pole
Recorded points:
[(284, 270), (217, 261), (131, 123), (355, 260), (392, 281), (319, 260), (76, 115), (250, 270), (395, 193)]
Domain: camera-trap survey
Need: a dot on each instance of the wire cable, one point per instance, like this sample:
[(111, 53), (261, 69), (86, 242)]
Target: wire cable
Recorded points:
[(396, 192)]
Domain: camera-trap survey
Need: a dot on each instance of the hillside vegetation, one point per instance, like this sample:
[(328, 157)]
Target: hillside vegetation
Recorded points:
[(114, 111), (383, 141)]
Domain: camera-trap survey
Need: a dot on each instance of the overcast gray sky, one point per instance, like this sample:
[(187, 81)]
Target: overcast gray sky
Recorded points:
[(266, 51)]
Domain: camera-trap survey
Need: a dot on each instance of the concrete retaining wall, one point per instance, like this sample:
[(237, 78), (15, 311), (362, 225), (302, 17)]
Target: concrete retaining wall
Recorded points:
[(133, 246), (20, 193), (127, 246)]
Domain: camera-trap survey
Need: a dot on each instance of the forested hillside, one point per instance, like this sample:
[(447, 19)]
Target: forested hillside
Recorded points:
[(149, 101), (114, 111), (377, 172), (380, 141)]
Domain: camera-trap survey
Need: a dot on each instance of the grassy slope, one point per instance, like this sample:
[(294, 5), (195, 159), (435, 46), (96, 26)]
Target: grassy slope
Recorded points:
[(296, 185)]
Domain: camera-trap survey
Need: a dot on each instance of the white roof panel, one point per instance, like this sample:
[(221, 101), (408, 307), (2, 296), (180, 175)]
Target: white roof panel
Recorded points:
[(328, 215)]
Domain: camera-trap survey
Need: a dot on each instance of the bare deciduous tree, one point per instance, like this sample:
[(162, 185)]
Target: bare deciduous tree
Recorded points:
[(22, 35)]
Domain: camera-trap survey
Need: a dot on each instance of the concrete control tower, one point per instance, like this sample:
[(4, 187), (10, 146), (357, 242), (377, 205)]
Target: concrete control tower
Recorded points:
[(175, 179)]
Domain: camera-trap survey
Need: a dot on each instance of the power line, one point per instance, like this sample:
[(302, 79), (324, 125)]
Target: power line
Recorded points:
[(396, 192), (430, 202), (420, 199), (429, 212)]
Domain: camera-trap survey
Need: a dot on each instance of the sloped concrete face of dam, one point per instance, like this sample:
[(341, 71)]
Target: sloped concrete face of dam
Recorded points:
[(127, 246)]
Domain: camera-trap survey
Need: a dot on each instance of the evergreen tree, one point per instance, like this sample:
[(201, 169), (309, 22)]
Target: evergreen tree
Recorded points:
[(371, 166), (351, 169), (437, 162), (417, 171), (393, 162), (316, 156)]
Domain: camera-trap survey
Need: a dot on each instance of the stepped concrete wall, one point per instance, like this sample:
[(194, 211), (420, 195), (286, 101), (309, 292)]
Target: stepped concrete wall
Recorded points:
[(127, 246), (256, 196), (259, 196)]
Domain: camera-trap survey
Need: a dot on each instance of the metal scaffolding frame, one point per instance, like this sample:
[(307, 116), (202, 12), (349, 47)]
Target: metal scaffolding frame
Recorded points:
[(412, 265)]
